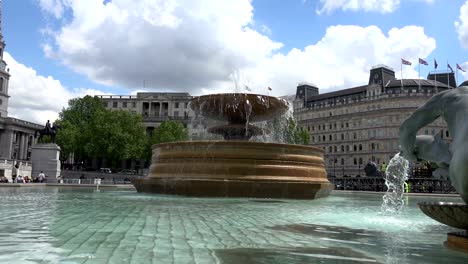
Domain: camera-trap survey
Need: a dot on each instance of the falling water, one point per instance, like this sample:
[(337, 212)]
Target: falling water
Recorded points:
[(395, 177)]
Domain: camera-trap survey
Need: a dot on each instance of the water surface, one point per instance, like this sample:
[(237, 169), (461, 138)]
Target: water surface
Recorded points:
[(62, 225)]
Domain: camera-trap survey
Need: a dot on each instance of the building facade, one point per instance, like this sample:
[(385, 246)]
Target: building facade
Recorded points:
[(361, 124), (156, 108)]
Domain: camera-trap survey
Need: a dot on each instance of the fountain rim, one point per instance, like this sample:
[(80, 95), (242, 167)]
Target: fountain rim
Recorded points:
[(234, 142)]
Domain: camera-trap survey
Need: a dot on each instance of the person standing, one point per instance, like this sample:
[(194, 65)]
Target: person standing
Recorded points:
[(41, 176)]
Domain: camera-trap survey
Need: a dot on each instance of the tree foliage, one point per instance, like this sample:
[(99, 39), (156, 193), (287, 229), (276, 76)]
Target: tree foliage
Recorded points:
[(292, 134), (89, 130), (169, 131)]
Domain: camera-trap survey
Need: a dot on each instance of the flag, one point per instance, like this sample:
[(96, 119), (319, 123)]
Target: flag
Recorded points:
[(247, 88), (405, 62), (435, 64), (450, 67), (269, 88), (460, 68), (421, 61)]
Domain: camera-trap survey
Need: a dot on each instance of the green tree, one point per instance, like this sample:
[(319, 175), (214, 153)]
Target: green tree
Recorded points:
[(292, 134), (90, 131), (167, 131), (75, 121)]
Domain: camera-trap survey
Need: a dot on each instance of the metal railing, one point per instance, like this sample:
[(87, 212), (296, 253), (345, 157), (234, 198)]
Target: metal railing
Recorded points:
[(415, 185)]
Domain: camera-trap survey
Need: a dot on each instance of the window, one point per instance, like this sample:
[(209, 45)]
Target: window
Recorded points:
[(342, 161), (114, 104), (360, 147), (134, 104), (105, 104), (330, 137), (176, 113), (323, 138), (186, 105), (335, 148), (330, 149), (124, 104), (446, 132), (342, 148), (176, 105)]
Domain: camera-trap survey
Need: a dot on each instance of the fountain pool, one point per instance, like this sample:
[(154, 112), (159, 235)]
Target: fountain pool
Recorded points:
[(64, 225)]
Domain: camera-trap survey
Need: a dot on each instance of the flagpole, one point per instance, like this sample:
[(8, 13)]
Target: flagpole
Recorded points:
[(419, 75), (448, 75), (401, 72)]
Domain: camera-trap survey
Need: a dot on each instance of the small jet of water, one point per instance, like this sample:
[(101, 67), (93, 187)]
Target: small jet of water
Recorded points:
[(395, 178)]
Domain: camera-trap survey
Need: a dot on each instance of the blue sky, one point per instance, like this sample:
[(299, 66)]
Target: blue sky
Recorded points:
[(71, 48)]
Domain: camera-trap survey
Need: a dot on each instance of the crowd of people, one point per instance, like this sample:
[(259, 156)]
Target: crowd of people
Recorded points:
[(40, 178)]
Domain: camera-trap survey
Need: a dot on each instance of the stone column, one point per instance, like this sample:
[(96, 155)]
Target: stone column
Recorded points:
[(21, 145), (6, 144)]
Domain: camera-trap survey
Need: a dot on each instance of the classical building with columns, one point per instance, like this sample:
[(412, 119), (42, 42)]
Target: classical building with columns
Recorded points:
[(361, 124), (157, 107), (16, 136)]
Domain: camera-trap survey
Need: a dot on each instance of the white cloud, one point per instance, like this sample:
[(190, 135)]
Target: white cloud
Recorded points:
[(381, 6), (462, 25), (54, 7), (34, 97), (196, 46), (343, 57)]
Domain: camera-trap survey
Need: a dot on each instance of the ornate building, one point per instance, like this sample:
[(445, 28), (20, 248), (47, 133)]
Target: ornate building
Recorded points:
[(16, 136), (154, 108), (360, 124)]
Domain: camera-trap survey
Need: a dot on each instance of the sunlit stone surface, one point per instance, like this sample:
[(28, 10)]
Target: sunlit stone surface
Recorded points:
[(50, 225)]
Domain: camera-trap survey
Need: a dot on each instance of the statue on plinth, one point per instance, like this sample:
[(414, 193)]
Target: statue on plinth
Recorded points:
[(48, 130)]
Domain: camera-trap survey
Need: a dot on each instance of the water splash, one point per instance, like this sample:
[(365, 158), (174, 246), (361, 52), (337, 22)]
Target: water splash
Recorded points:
[(395, 177)]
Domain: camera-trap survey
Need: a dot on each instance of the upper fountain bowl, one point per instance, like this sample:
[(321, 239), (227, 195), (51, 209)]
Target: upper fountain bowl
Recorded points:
[(239, 108)]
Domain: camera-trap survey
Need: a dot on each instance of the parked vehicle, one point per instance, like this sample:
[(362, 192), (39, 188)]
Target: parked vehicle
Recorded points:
[(105, 170), (132, 172)]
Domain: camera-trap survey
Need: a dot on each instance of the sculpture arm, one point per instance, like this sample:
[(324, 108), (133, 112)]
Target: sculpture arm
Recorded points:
[(424, 115)]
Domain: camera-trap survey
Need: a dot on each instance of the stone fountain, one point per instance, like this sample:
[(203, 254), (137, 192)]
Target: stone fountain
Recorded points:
[(452, 160), (235, 167)]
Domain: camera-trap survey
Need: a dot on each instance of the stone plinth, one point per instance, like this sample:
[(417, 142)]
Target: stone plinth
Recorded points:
[(46, 158), (236, 169)]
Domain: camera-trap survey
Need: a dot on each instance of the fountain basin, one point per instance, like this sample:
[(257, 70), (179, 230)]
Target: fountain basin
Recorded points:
[(239, 108), (451, 214), (237, 169)]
